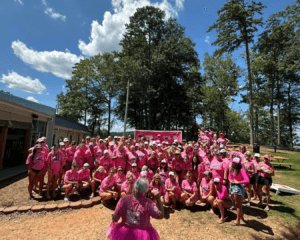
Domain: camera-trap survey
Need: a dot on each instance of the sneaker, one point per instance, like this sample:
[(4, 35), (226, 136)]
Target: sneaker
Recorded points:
[(66, 199), (31, 198), (48, 196)]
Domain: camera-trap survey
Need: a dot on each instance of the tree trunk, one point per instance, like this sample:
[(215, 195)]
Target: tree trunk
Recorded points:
[(250, 93), (278, 111), (290, 115), (109, 112), (271, 109)]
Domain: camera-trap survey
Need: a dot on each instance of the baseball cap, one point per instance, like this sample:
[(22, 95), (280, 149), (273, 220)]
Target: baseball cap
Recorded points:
[(217, 180), (55, 145), (133, 165), (66, 140), (146, 143), (137, 145), (159, 145), (236, 160), (267, 156), (163, 161), (206, 173), (91, 144), (86, 165), (61, 144), (111, 143), (223, 151), (256, 155), (218, 153), (105, 151), (40, 140), (75, 164), (38, 146), (171, 173), (73, 143), (177, 152)]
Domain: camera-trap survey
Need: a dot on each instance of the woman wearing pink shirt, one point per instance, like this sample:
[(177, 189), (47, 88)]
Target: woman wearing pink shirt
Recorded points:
[(223, 200), (107, 188), (106, 161), (127, 186), (207, 194), (71, 182), (173, 191), (178, 165), (187, 163), (250, 170), (132, 157), (55, 164), (218, 168), (255, 162), (35, 163), (152, 162), (119, 179), (237, 177), (135, 171), (266, 172), (79, 155), (119, 156), (157, 185), (84, 177), (90, 156), (222, 141), (135, 211), (195, 167), (143, 156), (97, 179), (189, 188), (163, 171), (70, 153)]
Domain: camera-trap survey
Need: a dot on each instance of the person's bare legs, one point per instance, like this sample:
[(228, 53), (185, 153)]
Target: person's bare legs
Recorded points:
[(93, 185), (259, 193), (268, 197), (67, 189), (238, 204), (32, 179), (50, 176), (255, 191)]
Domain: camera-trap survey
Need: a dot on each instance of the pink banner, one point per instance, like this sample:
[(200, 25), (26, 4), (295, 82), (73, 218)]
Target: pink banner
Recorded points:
[(168, 136)]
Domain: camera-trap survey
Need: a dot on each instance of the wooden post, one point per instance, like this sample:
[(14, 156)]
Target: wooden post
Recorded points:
[(3, 137), (26, 145)]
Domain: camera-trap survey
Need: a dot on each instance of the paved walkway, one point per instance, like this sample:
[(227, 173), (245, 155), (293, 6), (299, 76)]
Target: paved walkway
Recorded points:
[(11, 172)]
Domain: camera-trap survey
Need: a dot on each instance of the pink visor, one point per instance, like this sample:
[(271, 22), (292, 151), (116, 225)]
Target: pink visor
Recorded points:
[(267, 156)]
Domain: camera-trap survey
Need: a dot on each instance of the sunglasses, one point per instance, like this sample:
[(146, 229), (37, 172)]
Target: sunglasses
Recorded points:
[(133, 166), (112, 172), (188, 176), (120, 170)]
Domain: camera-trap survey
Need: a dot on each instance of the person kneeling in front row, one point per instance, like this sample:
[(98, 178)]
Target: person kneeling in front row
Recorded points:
[(71, 181), (108, 188)]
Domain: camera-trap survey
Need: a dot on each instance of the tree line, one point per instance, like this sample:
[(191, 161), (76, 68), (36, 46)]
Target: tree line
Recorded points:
[(167, 90)]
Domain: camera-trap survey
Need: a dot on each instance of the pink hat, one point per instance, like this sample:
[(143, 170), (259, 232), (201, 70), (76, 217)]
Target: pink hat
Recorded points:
[(236, 160), (221, 134), (217, 180), (267, 156), (40, 140)]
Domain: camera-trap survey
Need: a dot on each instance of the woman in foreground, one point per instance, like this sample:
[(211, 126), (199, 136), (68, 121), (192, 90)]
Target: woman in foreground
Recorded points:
[(135, 211)]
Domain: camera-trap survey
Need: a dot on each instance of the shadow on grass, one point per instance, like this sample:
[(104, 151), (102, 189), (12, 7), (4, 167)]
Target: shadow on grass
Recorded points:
[(167, 212), (289, 233), (12, 180)]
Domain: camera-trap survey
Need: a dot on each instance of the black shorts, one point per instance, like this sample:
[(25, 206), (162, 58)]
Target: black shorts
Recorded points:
[(36, 171), (64, 167), (267, 181), (252, 180), (178, 172), (256, 177)]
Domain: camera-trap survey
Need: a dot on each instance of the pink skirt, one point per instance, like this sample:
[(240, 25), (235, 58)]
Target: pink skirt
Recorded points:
[(121, 232)]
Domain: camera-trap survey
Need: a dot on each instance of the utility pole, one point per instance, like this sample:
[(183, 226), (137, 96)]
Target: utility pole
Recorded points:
[(125, 118)]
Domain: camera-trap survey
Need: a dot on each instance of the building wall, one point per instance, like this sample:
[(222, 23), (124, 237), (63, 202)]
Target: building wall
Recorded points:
[(61, 133)]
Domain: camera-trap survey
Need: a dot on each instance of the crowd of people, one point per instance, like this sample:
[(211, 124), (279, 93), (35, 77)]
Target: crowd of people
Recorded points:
[(187, 173)]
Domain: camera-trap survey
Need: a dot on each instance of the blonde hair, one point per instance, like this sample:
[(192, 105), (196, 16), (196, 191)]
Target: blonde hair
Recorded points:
[(248, 153)]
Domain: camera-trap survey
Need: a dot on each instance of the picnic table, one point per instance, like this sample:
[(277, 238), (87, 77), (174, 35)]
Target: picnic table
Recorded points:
[(280, 158)]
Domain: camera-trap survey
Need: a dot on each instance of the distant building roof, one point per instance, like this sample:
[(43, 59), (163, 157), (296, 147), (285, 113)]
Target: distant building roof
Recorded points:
[(67, 123), (28, 104)]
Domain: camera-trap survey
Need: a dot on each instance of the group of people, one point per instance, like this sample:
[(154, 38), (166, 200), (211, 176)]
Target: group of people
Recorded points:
[(179, 172)]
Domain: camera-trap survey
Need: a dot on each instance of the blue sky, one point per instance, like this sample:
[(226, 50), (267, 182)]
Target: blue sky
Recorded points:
[(41, 39)]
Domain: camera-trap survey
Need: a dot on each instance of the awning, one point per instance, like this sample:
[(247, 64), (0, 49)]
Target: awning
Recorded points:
[(4, 123), (22, 125)]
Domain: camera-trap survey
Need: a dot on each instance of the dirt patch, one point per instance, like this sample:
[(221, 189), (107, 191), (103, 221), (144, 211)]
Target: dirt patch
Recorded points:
[(91, 223)]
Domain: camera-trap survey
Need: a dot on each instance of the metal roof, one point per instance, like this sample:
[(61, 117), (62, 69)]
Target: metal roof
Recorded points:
[(67, 123), (28, 104)]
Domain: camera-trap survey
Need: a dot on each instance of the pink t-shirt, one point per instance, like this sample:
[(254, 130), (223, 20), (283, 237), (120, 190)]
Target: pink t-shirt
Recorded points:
[(266, 167), (136, 212), (100, 176), (242, 177), (79, 155), (125, 186), (111, 152), (143, 156), (160, 189), (188, 166), (120, 161), (223, 194), (152, 163), (120, 179), (70, 176), (163, 175), (206, 186), (84, 175), (107, 163), (255, 163), (150, 174), (222, 141), (171, 184), (107, 184), (133, 158), (178, 164), (249, 166), (136, 175), (38, 162), (64, 156), (217, 168), (70, 153), (189, 187), (55, 161), (89, 155)]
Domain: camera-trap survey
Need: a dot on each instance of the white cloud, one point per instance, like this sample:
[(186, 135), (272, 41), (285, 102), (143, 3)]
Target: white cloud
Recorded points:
[(120, 128), (58, 63), (19, 1), (105, 37), (30, 98), (207, 38), (51, 12), (25, 84)]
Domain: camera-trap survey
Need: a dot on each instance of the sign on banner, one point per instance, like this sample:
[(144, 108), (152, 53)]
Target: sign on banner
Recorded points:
[(169, 136)]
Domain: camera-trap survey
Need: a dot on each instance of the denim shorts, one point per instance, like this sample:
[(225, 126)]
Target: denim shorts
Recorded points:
[(237, 189)]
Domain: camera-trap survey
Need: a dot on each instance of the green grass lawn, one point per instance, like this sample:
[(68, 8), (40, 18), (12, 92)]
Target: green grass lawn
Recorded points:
[(287, 205)]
